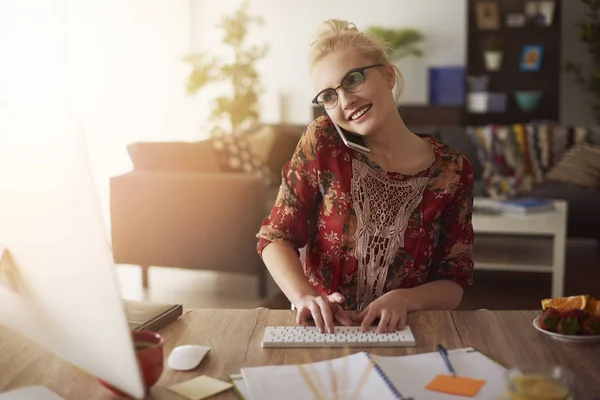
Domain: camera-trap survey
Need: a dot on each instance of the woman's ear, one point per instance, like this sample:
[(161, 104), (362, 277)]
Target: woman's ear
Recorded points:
[(390, 76)]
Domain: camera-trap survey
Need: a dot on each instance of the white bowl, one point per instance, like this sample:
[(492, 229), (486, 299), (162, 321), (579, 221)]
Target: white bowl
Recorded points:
[(567, 338)]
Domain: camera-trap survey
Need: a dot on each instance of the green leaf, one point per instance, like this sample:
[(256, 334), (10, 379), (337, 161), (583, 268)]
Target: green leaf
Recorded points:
[(589, 34), (402, 42), (241, 106)]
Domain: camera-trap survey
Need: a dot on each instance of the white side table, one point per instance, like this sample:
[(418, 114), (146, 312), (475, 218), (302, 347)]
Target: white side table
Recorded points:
[(527, 243)]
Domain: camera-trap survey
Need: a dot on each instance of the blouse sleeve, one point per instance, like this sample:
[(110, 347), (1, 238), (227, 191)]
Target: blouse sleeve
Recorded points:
[(453, 255), (288, 222)]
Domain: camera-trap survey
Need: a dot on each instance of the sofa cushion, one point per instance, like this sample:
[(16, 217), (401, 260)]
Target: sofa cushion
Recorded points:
[(234, 154), (582, 202), (173, 156), (579, 166), (275, 144)]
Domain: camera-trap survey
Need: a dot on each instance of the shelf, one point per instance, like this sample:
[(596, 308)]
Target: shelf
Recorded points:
[(510, 78), (513, 253), (518, 32)]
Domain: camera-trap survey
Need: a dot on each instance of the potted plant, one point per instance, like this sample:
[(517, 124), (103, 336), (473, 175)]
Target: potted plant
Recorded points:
[(492, 53), (403, 42), (239, 107), (589, 34)]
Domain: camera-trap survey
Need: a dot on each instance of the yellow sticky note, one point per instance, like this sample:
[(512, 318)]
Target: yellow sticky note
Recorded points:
[(200, 387), (455, 385)]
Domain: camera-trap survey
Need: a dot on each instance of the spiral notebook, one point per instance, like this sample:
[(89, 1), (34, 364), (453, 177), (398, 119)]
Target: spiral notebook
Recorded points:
[(362, 376), (351, 377)]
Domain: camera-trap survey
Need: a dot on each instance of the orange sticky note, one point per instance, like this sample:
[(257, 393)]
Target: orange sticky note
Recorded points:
[(456, 385)]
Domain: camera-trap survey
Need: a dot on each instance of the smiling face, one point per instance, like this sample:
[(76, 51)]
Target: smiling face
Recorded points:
[(364, 111)]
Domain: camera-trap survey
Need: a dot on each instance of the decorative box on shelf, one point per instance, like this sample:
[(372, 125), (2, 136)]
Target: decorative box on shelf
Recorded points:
[(486, 102)]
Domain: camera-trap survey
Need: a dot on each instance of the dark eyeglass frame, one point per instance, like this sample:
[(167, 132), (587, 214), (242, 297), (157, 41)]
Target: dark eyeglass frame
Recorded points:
[(360, 69)]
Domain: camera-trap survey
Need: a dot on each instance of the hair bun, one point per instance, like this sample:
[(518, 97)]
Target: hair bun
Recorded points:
[(332, 27)]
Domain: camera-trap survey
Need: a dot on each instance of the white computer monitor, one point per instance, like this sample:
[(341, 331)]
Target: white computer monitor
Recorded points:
[(67, 297)]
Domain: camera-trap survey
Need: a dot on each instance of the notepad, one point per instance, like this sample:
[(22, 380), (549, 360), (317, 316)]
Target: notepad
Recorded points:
[(456, 385), (411, 374), (200, 388)]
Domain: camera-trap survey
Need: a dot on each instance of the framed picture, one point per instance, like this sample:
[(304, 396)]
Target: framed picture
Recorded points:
[(540, 12), (531, 58), (487, 15), (516, 20)]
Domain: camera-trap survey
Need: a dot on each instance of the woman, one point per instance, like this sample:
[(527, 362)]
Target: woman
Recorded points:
[(386, 232)]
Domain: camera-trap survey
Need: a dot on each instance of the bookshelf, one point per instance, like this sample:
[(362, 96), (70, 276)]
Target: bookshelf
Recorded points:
[(498, 24)]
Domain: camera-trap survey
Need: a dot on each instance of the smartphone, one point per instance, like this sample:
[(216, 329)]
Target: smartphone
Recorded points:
[(352, 140)]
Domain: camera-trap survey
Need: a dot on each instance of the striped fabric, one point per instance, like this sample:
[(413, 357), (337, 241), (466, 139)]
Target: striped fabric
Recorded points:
[(518, 157)]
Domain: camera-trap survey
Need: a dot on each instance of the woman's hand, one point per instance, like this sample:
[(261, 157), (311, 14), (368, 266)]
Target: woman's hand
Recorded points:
[(323, 310), (391, 309)]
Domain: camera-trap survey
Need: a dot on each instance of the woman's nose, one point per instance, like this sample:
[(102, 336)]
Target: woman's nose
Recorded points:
[(346, 99)]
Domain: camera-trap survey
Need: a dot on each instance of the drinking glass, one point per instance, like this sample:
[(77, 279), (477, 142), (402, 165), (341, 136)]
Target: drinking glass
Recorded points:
[(539, 382)]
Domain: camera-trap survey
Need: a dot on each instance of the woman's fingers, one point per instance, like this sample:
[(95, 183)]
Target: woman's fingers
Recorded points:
[(326, 313), (302, 315), (342, 315), (401, 321), (383, 322), (358, 316), (336, 297), (315, 311), (368, 319), (393, 324)]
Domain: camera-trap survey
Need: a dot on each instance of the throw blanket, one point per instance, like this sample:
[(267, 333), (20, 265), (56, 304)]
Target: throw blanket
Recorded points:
[(518, 157)]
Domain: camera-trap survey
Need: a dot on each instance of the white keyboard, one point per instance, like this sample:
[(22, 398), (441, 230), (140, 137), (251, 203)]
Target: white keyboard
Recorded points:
[(343, 336)]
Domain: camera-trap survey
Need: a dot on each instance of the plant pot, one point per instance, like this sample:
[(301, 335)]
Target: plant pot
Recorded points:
[(493, 60)]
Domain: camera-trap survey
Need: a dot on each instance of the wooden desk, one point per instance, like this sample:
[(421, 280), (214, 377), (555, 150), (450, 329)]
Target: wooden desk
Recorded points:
[(234, 335)]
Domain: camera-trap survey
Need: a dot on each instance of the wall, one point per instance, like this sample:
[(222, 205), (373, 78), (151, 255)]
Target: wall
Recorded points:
[(127, 78), (290, 24), (116, 68)]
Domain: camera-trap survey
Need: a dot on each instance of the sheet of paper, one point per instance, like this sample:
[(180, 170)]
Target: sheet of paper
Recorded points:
[(350, 377), (200, 387), (240, 386), (456, 385), (411, 374)]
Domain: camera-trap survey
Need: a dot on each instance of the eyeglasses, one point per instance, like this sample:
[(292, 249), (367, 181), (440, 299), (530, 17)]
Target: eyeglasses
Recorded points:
[(352, 82)]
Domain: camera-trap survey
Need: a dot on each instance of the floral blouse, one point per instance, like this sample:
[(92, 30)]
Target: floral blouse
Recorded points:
[(368, 231)]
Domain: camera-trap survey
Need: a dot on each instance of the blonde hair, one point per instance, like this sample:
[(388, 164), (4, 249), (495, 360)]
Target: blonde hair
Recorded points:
[(337, 35)]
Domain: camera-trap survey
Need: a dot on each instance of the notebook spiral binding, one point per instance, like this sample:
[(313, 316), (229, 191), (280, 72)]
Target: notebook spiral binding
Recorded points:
[(388, 383)]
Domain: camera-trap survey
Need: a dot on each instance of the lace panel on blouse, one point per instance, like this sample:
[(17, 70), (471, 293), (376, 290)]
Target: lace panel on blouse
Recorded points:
[(383, 207)]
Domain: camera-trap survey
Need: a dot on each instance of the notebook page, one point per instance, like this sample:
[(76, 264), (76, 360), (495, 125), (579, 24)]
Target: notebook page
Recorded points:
[(240, 386), (410, 374), (287, 382)]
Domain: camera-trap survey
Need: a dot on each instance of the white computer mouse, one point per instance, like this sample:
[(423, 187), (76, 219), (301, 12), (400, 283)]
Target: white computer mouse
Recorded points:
[(187, 357)]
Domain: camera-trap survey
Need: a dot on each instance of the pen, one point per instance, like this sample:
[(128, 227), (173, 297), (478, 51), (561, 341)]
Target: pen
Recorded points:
[(444, 353)]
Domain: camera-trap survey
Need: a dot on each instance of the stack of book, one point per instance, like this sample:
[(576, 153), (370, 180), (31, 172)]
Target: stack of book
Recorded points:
[(525, 206)]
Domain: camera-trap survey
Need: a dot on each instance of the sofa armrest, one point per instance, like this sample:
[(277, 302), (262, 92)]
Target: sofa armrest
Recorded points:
[(188, 220)]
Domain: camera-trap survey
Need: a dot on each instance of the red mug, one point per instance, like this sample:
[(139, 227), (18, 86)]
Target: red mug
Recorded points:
[(149, 349)]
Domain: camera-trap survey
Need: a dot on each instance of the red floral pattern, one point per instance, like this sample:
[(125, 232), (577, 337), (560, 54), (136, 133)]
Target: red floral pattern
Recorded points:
[(314, 208)]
